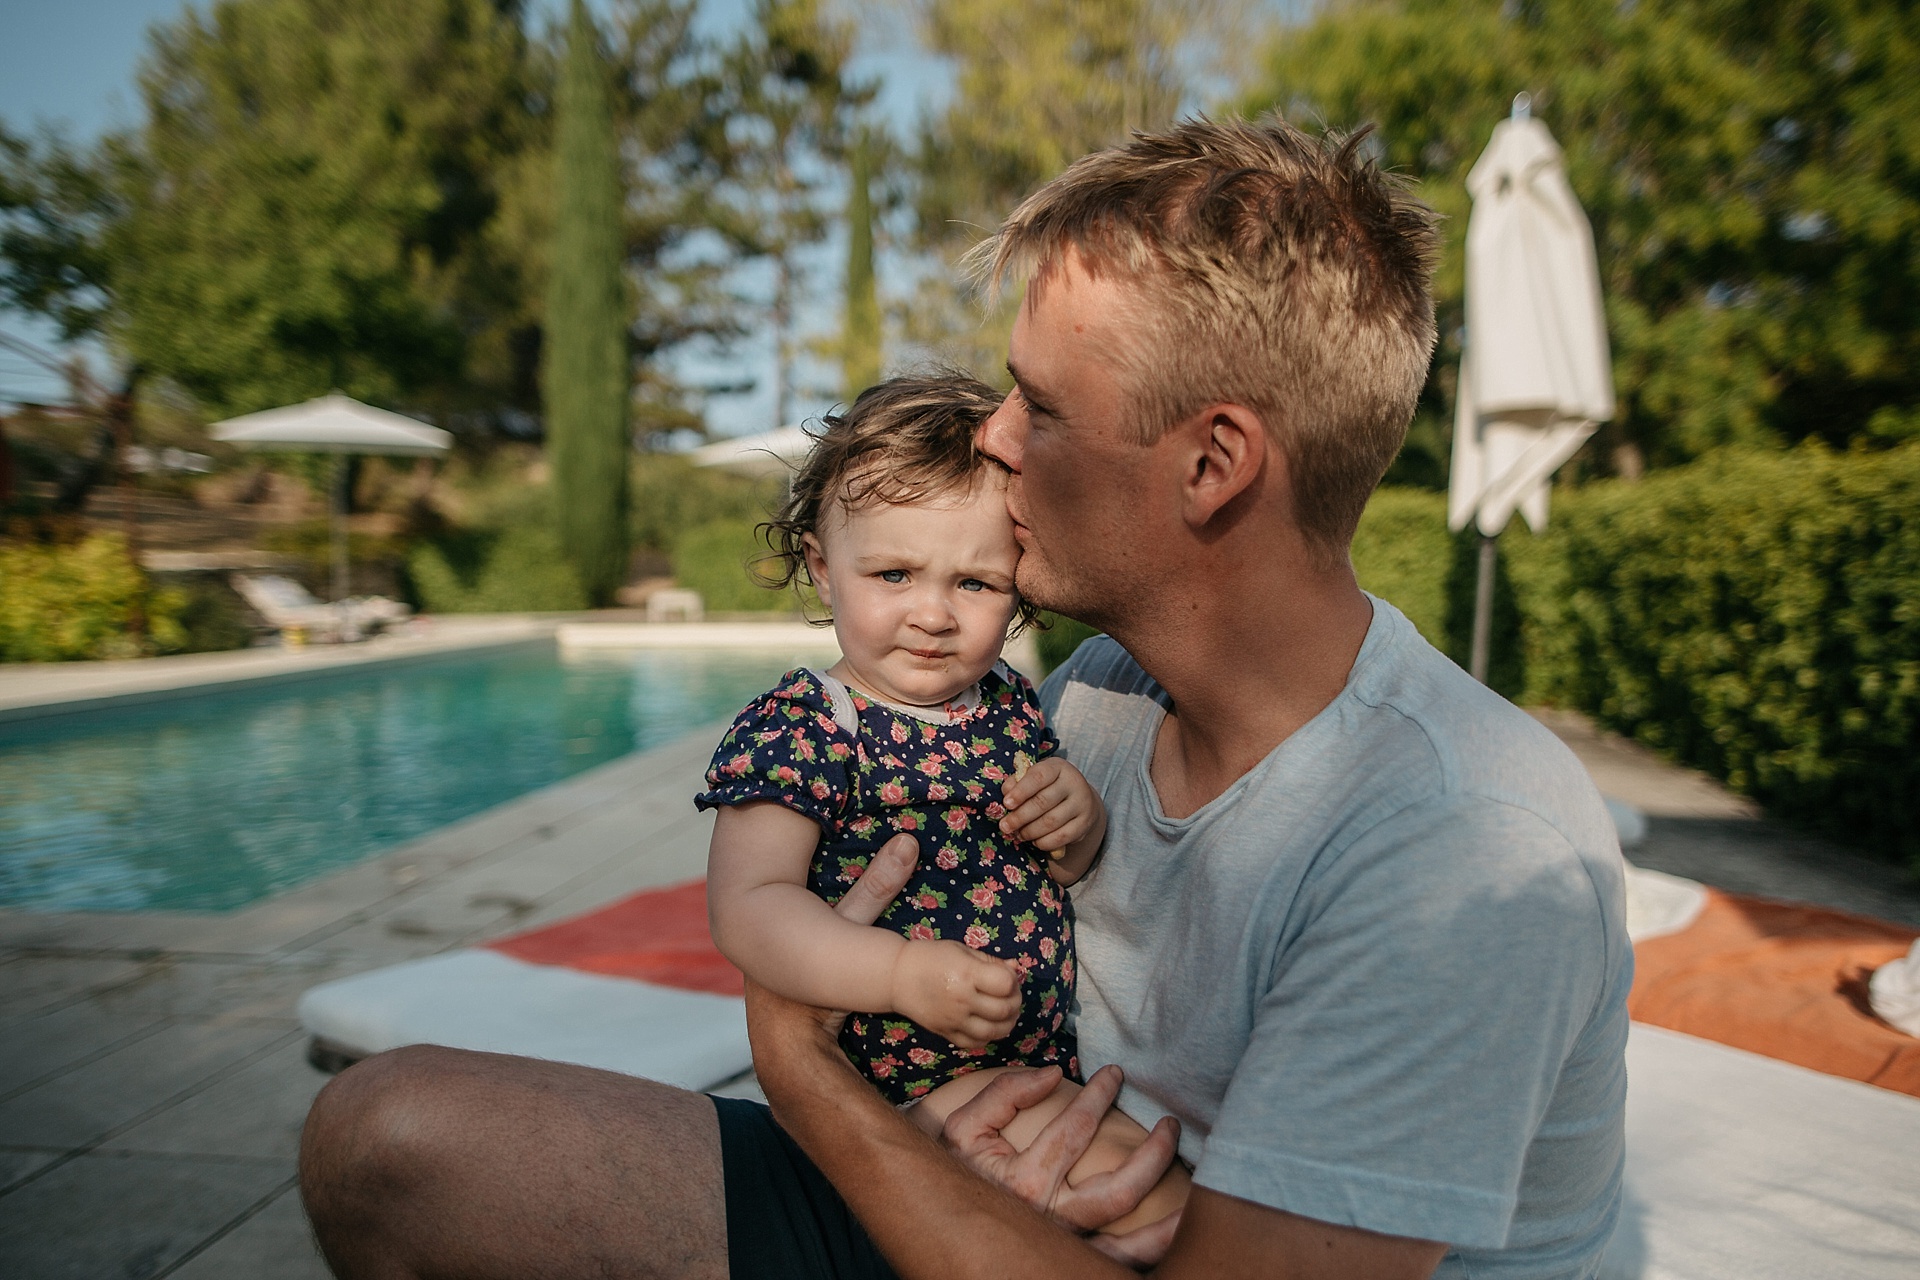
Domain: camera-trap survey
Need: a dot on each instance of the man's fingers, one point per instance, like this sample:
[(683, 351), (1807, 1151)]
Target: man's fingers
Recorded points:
[(1104, 1197), (994, 1107), (1141, 1247), (886, 875)]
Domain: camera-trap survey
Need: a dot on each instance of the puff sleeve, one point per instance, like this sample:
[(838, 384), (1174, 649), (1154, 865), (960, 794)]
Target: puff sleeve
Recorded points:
[(785, 747)]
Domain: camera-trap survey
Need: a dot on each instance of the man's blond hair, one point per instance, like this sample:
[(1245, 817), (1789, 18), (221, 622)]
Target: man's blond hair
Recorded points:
[(1278, 271)]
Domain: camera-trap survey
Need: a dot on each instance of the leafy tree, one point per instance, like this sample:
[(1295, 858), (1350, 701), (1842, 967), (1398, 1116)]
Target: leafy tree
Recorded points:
[(308, 202), (1749, 169), (586, 374)]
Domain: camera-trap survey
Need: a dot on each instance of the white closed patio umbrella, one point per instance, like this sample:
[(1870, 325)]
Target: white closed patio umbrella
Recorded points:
[(1536, 377), (340, 425)]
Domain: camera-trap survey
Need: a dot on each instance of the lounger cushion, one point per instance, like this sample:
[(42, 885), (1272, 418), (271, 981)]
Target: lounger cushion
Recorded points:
[(635, 987)]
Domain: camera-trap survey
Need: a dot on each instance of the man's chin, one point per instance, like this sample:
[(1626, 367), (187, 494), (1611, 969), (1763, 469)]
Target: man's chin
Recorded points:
[(1041, 589)]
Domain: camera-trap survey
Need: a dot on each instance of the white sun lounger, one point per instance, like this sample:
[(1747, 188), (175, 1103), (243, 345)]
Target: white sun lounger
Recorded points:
[(286, 605)]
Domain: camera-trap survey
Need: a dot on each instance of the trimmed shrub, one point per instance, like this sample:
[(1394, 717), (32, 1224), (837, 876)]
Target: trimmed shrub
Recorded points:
[(1756, 616), (516, 569), (715, 558), (66, 602)]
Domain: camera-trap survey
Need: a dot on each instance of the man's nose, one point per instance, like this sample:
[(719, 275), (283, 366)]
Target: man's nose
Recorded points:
[(1002, 436)]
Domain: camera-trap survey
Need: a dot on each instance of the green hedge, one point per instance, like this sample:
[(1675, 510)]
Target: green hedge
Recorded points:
[(1756, 616)]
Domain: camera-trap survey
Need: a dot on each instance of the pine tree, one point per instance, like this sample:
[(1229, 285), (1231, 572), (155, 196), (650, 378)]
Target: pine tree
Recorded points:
[(860, 334), (586, 371)]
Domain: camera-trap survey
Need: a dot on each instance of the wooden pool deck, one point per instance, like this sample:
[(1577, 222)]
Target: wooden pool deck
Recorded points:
[(154, 1079)]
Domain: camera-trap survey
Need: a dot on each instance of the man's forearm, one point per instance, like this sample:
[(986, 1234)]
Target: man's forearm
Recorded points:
[(955, 1224)]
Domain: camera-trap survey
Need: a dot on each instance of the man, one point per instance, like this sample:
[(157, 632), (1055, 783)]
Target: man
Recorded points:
[(1357, 933)]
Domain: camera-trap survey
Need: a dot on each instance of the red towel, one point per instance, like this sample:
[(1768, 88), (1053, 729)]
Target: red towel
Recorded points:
[(1780, 979), (658, 936)]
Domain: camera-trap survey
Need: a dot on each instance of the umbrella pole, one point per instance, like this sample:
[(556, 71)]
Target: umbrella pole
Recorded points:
[(339, 530), (1482, 612)]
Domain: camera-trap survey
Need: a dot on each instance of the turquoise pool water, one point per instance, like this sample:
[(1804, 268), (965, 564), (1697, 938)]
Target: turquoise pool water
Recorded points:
[(210, 802)]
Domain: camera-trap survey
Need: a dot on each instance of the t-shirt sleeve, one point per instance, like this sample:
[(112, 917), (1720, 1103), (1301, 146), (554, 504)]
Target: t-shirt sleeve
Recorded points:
[(785, 747), (1426, 991)]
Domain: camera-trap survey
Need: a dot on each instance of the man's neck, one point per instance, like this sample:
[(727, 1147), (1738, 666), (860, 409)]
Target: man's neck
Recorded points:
[(1245, 670)]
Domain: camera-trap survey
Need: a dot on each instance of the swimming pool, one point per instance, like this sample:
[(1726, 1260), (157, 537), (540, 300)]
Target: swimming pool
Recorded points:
[(210, 802)]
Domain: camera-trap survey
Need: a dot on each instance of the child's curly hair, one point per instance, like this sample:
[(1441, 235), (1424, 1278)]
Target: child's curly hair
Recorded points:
[(903, 440)]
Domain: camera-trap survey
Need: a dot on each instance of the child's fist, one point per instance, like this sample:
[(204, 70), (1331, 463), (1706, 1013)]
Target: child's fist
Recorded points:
[(967, 996), (1051, 805)]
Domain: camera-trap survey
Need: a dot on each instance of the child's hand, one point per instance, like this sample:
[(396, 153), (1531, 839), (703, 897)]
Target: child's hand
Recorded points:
[(967, 996), (1051, 805)]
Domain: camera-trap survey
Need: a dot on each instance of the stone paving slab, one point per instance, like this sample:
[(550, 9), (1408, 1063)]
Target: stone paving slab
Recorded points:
[(89, 1103), (272, 1243), (253, 1113), (117, 1217), (44, 1045)]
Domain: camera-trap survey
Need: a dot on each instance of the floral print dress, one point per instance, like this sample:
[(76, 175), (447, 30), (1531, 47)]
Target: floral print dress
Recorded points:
[(943, 783)]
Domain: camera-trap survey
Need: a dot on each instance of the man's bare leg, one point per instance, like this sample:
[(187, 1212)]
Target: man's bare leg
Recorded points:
[(430, 1164)]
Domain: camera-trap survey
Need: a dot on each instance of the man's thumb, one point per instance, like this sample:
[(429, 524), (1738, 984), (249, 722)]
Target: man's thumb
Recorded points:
[(886, 875)]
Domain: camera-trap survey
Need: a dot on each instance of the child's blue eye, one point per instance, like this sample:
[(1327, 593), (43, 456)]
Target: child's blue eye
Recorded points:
[(893, 575), (972, 584)]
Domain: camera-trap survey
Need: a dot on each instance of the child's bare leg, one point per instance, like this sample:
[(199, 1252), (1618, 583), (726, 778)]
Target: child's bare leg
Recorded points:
[(1119, 1134)]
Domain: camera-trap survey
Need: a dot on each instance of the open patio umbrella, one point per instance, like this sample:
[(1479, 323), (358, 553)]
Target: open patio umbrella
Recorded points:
[(339, 425), (1536, 377), (758, 457)]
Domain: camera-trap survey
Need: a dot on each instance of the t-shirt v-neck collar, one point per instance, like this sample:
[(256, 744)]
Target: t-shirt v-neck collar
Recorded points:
[(1152, 726)]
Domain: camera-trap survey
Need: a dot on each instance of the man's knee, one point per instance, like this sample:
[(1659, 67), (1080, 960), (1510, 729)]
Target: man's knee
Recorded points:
[(377, 1128)]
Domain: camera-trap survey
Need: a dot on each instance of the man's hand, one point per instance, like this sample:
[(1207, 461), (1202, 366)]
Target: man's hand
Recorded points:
[(1051, 806), (954, 991), (1038, 1175), (886, 875)]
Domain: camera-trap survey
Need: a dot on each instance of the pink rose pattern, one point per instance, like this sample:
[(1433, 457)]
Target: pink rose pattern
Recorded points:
[(941, 782)]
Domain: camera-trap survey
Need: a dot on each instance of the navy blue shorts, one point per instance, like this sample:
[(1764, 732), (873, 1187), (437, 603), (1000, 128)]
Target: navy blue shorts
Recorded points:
[(784, 1219)]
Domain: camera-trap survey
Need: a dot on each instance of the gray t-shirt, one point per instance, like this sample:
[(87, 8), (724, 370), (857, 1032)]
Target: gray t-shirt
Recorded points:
[(1382, 979)]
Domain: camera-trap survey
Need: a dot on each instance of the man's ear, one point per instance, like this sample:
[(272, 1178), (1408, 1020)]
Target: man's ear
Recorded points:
[(817, 568), (1229, 454)]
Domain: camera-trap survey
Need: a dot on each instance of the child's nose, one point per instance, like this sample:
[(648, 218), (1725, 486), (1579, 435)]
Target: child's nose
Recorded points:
[(932, 613)]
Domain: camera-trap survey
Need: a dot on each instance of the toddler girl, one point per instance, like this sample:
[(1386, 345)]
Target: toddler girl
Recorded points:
[(903, 532)]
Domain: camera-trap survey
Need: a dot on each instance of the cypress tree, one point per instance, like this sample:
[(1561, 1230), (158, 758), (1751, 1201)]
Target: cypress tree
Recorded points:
[(860, 334), (586, 374)]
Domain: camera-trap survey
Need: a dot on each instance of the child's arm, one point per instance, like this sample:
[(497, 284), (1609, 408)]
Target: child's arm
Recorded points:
[(1054, 806), (766, 921)]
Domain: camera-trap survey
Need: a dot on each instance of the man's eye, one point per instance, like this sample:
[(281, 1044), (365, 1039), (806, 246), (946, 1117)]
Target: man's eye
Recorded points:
[(893, 575)]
